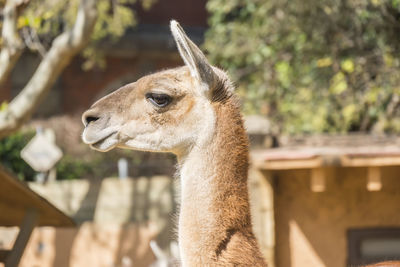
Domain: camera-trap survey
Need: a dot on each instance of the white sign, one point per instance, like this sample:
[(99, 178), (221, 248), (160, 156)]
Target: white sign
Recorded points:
[(41, 153)]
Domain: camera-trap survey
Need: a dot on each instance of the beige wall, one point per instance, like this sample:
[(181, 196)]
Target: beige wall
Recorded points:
[(311, 227), (262, 211), (116, 220), (113, 201), (90, 245), (87, 245)]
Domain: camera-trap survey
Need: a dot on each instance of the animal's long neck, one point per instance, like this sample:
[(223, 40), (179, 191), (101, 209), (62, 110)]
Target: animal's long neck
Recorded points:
[(214, 197)]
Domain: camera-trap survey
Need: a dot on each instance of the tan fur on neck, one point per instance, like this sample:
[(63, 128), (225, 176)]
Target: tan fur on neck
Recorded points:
[(215, 224)]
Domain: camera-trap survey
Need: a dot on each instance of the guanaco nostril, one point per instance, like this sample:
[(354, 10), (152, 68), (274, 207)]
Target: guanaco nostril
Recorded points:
[(90, 116), (89, 119)]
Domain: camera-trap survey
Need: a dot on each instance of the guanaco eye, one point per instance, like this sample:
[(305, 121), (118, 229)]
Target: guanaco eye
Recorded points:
[(158, 100)]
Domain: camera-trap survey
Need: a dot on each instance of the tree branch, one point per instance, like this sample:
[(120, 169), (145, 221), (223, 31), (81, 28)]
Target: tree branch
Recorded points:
[(12, 43), (63, 49)]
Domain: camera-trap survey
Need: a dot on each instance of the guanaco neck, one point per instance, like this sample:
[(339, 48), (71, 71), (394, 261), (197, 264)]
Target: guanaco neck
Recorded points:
[(214, 196)]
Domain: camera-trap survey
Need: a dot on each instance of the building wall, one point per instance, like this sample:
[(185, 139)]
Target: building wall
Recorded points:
[(116, 219), (116, 201), (262, 211), (311, 227), (187, 12), (90, 244)]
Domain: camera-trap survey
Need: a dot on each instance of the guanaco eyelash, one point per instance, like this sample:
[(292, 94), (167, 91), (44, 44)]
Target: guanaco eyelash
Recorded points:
[(151, 96)]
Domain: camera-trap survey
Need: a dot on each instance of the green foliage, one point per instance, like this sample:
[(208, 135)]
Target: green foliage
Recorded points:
[(48, 18), (312, 66), (3, 105), (70, 167), (10, 148)]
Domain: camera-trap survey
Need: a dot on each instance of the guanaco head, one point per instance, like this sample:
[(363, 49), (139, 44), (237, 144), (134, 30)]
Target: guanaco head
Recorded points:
[(168, 111)]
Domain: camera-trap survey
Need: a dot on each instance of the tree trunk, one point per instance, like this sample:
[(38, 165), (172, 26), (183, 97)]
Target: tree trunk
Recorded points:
[(63, 49), (12, 43)]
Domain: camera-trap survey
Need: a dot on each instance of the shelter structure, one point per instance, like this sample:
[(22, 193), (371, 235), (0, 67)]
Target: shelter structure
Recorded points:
[(20, 206), (328, 201)]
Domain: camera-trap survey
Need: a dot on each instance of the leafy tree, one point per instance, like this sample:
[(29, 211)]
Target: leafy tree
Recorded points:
[(312, 65), (58, 30), (10, 157)]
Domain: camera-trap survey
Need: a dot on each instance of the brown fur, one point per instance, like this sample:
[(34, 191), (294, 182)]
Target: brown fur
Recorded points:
[(222, 234), (230, 194)]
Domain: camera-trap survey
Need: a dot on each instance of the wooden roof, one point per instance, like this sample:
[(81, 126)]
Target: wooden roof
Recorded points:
[(16, 198), (308, 158)]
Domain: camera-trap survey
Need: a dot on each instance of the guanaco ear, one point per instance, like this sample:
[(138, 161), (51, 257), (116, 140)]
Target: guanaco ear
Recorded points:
[(198, 65)]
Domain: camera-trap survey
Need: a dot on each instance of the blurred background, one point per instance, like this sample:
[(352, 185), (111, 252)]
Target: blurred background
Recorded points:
[(319, 83)]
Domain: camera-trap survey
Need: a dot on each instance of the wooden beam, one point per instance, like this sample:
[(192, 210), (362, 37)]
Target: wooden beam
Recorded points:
[(290, 164), (327, 161), (374, 182), (318, 180), (360, 161), (25, 231), (16, 197)]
